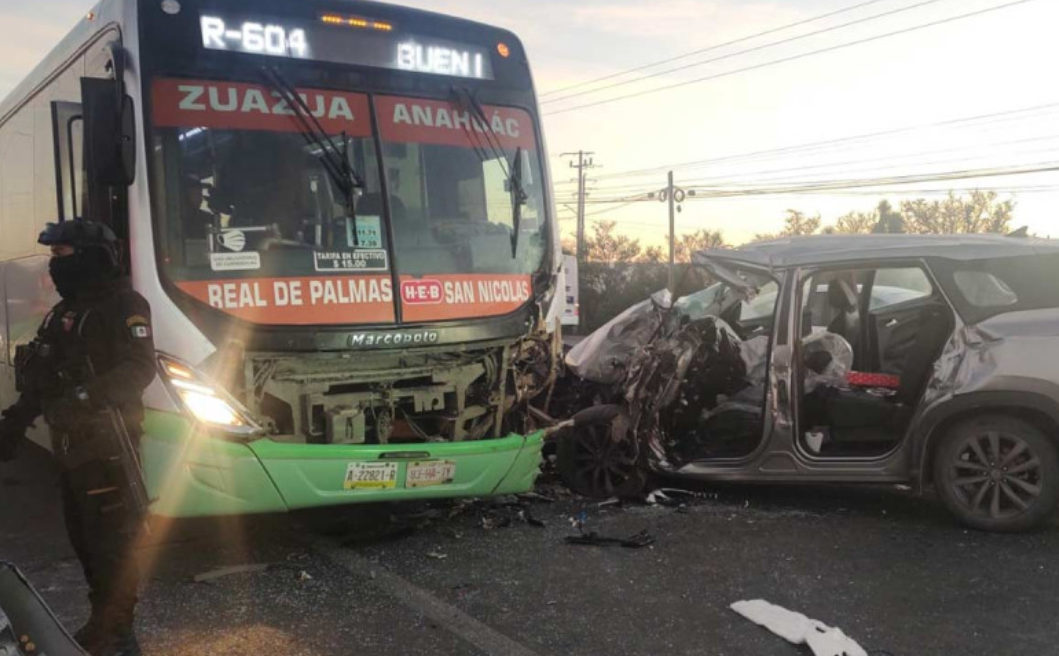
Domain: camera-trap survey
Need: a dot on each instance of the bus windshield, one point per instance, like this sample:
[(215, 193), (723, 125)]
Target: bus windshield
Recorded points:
[(244, 194)]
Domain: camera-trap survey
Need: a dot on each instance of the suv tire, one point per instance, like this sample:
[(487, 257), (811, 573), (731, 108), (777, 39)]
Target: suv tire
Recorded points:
[(591, 464), (997, 473)]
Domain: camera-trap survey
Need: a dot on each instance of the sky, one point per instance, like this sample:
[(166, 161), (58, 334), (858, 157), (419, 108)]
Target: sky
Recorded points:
[(926, 78)]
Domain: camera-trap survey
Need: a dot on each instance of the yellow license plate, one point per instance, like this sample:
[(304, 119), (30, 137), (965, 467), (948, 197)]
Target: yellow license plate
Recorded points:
[(371, 476)]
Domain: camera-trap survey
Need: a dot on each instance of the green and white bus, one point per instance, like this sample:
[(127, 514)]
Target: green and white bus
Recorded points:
[(341, 215)]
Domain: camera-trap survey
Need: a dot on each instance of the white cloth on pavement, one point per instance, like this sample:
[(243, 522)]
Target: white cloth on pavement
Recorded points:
[(799, 629)]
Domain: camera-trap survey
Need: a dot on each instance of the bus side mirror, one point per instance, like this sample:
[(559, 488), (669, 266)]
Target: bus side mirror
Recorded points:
[(110, 133)]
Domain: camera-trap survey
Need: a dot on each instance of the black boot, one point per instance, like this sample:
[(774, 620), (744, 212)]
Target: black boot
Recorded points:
[(120, 643), (90, 636), (118, 635)]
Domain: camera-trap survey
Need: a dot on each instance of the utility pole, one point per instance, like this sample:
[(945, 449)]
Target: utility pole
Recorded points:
[(675, 196), (672, 235), (584, 163)]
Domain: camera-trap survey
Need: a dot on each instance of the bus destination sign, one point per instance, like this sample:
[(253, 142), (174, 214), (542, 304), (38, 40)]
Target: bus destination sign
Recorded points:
[(331, 42)]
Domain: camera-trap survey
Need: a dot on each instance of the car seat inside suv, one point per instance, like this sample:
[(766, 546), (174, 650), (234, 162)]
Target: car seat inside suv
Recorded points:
[(842, 297), (864, 416)]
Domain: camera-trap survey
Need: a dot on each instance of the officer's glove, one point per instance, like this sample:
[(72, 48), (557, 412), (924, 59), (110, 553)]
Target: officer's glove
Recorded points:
[(12, 435)]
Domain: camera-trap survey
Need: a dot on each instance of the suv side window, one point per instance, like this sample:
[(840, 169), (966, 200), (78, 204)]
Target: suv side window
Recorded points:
[(896, 286)]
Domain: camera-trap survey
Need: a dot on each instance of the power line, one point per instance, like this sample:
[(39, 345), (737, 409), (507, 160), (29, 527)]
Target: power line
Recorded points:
[(738, 180), (747, 181), (754, 176), (1042, 167), (1005, 115), (848, 184), (710, 48), (878, 193), (783, 60), (738, 53), (611, 209), (785, 154)]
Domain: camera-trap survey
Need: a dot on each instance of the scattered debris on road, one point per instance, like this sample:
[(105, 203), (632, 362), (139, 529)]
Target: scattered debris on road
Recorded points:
[(527, 518), (672, 496), (593, 539), (222, 572), (536, 496), (798, 629)]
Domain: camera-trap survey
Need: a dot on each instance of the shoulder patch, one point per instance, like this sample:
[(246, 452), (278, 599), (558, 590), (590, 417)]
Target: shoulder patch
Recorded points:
[(139, 326)]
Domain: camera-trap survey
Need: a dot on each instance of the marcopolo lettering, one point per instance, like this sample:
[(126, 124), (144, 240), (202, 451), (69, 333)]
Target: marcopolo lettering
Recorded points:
[(394, 338)]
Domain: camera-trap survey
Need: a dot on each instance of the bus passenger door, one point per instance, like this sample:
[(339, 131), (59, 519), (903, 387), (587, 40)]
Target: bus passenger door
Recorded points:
[(109, 138)]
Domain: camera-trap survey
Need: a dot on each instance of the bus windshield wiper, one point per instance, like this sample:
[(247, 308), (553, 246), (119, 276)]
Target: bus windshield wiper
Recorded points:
[(518, 199), (337, 164), (512, 171)]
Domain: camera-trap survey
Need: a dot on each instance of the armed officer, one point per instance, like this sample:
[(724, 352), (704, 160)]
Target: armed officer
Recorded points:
[(86, 373)]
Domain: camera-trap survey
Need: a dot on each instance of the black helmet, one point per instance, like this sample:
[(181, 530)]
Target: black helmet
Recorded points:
[(84, 236)]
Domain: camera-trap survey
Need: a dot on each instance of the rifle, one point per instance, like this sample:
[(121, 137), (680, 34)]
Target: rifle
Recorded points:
[(131, 484)]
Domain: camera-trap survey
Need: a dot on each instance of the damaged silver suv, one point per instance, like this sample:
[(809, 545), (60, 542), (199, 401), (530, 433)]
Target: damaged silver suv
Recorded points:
[(847, 359)]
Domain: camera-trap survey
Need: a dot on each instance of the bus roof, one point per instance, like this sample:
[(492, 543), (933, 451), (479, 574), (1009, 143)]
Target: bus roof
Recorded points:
[(94, 21), (107, 13)]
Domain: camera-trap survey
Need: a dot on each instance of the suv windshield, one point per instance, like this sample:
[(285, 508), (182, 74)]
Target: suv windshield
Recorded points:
[(254, 225)]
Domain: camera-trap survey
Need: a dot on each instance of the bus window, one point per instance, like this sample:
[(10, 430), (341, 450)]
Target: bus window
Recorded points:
[(68, 135), (249, 191), (464, 219)]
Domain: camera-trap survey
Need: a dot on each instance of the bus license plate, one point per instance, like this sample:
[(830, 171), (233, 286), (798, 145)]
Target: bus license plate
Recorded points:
[(433, 472), (371, 476)]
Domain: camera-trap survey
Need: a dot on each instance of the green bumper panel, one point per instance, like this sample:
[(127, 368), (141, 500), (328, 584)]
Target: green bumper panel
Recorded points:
[(313, 475), (190, 474)]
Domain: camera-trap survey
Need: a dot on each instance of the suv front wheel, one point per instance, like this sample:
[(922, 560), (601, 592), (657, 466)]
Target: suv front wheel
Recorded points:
[(997, 473)]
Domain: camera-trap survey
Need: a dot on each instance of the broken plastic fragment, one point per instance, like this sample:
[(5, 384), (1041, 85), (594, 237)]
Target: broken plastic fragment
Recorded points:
[(798, 629), (222, 572), (641, 539), (526, 517)]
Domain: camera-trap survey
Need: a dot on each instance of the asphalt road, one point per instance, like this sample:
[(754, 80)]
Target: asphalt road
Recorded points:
[(482, 578)]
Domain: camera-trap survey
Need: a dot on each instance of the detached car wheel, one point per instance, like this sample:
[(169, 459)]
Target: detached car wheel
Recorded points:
[(592, 464), (997, 473)]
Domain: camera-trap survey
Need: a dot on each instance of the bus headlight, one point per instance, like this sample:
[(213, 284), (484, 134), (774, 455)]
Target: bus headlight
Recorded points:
[(205, 401)]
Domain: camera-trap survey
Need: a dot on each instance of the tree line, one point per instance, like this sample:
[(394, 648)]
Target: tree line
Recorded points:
[(619, 271)]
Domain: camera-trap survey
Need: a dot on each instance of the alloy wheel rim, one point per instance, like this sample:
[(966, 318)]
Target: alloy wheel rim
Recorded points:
[(601, 464), (996, 475)]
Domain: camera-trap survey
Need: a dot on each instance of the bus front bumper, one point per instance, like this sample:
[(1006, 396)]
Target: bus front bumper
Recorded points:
[(190, 474)]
